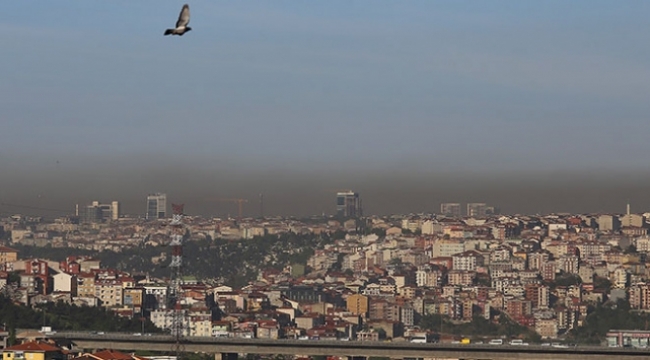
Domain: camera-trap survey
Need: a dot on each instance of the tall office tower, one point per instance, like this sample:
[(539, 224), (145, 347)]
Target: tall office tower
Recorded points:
[(156, 206), (348, 204), (450, 209), (476, 209), (115, 210), (90, 214), (97, 212)]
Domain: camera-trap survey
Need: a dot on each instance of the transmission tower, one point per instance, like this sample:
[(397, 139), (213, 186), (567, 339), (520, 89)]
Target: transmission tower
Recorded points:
[(174, 290)]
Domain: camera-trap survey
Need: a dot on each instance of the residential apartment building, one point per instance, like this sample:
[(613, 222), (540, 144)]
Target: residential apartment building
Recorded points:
[(467, 261), (640, 296), (7, 255), (64, 282), (357, 304), (109, 292), (461, 277)]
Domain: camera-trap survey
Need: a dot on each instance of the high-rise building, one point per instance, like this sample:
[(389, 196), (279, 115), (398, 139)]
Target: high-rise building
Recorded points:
[(90, 214), (476, 209), (156, 206), (115, 210), (348, 204), (450, 209), (97, 212)]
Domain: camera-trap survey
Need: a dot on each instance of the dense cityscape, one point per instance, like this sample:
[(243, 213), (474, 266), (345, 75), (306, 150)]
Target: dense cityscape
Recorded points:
[(325, 180), (457, 277)]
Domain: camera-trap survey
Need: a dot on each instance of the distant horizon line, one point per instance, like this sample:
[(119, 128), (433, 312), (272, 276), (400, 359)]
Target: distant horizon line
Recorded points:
[(132, 216)]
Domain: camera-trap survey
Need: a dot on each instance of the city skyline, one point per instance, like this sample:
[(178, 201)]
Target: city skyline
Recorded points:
[(203, 206)]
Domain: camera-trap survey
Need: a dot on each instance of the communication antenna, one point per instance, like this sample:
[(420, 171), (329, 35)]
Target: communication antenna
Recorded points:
[(174, 290)]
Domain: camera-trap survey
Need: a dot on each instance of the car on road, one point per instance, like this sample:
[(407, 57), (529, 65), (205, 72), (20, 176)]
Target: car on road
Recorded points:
[(518, 342)]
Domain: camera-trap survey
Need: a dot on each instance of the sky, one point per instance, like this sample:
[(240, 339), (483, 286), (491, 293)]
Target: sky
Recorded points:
[(529, 106)]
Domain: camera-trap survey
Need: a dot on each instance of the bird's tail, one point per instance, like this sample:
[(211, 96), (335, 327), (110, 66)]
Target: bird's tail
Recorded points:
[(169, 31)]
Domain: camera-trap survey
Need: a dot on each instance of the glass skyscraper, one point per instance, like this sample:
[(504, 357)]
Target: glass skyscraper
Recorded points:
[(156, 206), (348, 204)]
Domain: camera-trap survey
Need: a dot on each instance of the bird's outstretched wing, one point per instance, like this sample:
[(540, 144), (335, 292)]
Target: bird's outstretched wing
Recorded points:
[(184, 17)]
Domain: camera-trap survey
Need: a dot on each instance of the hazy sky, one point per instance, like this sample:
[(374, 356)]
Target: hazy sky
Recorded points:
[(411, 103)]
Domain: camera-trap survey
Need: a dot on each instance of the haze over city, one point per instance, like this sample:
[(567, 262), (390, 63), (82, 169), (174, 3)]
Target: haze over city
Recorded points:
[(528, 106)]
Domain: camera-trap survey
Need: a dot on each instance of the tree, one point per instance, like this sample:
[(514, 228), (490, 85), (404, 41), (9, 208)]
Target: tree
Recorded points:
[(68, 317), (11, 340), (533, 337), (232, 262), (567, 279), (381, 332), (602, 284), (478, 327), (379, 232), (13, 277), (631, 250), (433, 322), (604, 318), (338, 265)]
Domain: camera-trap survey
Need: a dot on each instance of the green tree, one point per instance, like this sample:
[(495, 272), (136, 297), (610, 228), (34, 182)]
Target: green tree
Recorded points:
[(631, 250), (68, 317), (567, 279), (233, 262), (378, 232), (602, 284), (13, 277), (608, 317), (11, 340), (433, 322)]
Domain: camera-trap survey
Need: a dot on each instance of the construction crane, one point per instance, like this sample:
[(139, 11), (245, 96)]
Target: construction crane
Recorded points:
[(239, 202)]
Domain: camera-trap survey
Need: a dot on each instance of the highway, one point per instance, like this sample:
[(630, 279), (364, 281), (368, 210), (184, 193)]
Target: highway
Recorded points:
[(165, 343)]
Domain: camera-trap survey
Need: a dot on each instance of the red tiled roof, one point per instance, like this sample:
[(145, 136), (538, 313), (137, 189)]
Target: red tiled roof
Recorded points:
[(110, 355), (84, 357), (33, 346), (5, 249)]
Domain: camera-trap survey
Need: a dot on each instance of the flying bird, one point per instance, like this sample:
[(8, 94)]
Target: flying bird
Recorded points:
[(181, 24)]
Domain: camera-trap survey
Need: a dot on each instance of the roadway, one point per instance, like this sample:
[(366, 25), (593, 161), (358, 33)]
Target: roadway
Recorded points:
[(165, 343)]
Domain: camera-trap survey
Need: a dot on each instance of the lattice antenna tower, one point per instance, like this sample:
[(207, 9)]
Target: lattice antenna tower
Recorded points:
[(174, 291)]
